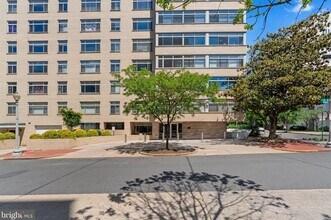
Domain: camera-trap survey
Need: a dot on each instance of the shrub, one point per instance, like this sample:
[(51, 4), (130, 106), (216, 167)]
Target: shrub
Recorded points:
[(80, 133), (36, 136), (99, 132), (92, 133), (66, 134), (51, 134), (9, 135), (105, 133), (298, 128), (2, 136)]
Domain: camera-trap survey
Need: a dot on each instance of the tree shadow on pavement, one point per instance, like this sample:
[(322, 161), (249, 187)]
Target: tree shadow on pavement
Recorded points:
[(134, 148), (182, 195)]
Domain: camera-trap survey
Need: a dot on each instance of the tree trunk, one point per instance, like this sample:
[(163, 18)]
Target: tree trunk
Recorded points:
[(273, 127), (167, 134)]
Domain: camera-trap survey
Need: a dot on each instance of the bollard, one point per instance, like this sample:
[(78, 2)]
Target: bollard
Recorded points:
[(224, 135), (145, 137), (201, 136), (177, 136), (125, 138), (162, 136)]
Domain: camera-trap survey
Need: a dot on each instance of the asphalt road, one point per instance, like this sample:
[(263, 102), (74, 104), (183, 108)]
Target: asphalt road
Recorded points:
[(109, 175)]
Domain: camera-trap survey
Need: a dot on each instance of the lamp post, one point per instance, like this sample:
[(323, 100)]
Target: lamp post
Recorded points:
[(328, 144), (17, 151)]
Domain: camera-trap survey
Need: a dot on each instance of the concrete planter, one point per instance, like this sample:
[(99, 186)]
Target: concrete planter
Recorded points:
[(48, 144), (7, 144)]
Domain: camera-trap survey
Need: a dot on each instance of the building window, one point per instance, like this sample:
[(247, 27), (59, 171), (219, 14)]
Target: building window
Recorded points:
[(193, 39), (12, 47), (190, 61), (63, 46), (37, 6), (115, 108), (226, 61), (116, 125), (90, 25), (63, 26), (38, 26), (90, 108), (62, 67), (11, 108), (142, 4), (142, 45), (90, 87), (90, 46), (115, 24), (62, 88), (91, 5), (38, 46), (12, 68), (87, 126), (38, 88), (179, 17), (90, 66), (63, 5), (115, 5), (226, 39), (61, 105), (222, 16), (38, 108), (224, 82), (115, 45), (12, 6), (143, 64), (12, 27), (11, 87), (38, 67), (142, 24), (115, 87), (115, 66)]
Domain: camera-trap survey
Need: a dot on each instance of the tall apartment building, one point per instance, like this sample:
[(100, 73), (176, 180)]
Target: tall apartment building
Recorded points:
[(64, 54)]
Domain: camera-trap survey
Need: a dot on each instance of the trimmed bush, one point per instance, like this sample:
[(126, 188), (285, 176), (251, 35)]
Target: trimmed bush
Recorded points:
[(92, 133), (99, 132), (2, 136), (105, 133), (9, 135), (66, 134), (36, 136), (80, 133), (51, 134)]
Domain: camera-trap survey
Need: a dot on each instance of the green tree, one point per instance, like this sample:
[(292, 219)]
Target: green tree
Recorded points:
[(71, 118), (165, 96), (253, 9), (289, 71)]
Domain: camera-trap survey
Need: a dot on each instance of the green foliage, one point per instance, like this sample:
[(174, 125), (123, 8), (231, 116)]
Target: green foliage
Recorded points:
[(71, 118), (289, 71), (165, 96), (92, 133), (80, 133), (238, 125), (36, 136), (2, 136), (51, 134), (105, 133), (9, 135), (298, 128), (66, 134), (99, 132)]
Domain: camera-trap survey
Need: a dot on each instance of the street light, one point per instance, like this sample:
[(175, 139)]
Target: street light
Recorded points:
[(17, 151), (328, 144)]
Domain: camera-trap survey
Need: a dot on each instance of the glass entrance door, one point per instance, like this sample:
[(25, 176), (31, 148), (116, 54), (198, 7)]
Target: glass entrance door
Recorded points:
[(173, 130)]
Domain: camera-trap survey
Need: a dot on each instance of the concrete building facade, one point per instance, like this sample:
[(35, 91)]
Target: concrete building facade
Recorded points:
[(64, 54)]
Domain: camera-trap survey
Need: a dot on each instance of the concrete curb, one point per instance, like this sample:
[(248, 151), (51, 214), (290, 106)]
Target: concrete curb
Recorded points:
[(169, 154)]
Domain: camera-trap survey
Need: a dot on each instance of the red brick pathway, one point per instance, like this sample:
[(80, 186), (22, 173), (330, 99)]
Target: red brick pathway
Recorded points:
[(300, 147), (38, 154)]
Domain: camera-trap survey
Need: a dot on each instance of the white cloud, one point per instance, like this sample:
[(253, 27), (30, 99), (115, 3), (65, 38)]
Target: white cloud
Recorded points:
[(298, 5)]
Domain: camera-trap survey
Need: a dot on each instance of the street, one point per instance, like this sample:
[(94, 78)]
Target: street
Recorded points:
[(40, 184)]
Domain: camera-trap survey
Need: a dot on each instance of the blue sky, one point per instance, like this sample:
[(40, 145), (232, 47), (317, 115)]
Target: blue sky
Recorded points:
[(283, 16)]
